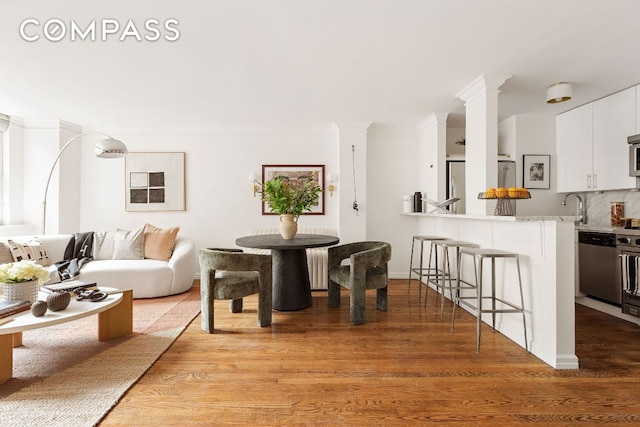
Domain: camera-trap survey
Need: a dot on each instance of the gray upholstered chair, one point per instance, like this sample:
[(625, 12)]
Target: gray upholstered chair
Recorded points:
[(367, 269), (230, 274)]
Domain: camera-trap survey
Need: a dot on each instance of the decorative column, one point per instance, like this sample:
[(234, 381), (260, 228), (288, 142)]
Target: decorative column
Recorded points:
[(352, 164), (432, 156), (481, 148)]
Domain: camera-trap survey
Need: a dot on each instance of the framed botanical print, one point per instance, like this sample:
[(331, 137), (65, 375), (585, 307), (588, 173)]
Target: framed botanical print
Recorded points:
[(296, 175)]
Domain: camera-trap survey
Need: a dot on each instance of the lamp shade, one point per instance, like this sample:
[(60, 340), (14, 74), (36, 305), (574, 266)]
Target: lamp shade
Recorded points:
[(559, 92), (111, 148)]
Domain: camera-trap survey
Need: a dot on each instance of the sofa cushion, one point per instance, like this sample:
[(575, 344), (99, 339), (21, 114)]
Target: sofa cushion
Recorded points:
[(129, 244), (33, 250), (158, 243), (147, 278)]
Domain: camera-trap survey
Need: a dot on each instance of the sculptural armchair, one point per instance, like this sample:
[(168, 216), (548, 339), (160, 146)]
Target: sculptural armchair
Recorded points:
[(367, 269), (230, 274)]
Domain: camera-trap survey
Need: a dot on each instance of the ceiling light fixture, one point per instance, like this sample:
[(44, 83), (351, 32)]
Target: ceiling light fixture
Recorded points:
[(559, 92)]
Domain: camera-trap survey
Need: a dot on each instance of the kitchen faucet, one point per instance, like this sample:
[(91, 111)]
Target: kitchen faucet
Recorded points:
[(582, 216)]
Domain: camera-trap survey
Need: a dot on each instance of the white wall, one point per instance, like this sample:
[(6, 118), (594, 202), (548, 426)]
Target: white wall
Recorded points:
[(220, 206), (219, 202), (524, 134), (42, 142), (392, 172), (454, 134)]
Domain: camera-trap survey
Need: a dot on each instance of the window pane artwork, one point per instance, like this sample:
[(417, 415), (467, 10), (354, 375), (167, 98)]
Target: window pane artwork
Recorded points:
[(155, 182)]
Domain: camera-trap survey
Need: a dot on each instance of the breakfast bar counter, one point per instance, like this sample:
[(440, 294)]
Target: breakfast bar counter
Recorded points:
[(546, 249)]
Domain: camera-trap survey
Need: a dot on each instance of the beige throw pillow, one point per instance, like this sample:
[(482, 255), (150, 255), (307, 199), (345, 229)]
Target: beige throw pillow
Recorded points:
[(158, 243), (129, 244), (5, 253)]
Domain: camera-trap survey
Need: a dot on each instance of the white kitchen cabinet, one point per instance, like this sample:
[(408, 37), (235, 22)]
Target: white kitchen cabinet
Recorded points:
[(614, 119), (591, 144), (574, 147)]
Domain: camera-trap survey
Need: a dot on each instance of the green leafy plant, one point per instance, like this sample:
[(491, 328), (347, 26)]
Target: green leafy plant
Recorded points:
[(284, 197)]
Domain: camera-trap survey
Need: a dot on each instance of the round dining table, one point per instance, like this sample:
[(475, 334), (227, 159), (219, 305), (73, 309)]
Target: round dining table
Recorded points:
[(291, 286)]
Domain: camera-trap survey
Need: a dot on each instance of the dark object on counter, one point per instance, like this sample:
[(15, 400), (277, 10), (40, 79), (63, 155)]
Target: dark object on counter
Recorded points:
[(417, 202)]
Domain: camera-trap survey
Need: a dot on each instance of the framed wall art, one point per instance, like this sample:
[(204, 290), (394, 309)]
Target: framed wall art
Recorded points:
[(536, 171), (154, 182), (296, 175)]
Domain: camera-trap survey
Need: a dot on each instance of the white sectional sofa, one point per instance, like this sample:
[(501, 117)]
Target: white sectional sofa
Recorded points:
[(148, 278), (317, 258)]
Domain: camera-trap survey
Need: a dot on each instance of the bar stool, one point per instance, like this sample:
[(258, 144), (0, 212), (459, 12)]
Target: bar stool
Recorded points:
[(422, 271), (447, 281), (479, 255)]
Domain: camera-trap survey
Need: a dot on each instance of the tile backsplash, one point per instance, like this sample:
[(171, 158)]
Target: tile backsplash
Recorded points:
[(599, 205)]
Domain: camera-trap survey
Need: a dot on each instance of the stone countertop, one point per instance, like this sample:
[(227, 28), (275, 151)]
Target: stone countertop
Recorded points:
[(608, 229), (559, 218)]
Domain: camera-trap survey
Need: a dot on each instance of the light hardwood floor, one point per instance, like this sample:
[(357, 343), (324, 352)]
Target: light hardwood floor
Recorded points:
[(403, 367)]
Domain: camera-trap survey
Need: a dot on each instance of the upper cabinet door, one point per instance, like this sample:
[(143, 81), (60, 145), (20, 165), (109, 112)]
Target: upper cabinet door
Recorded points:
[(574, 147), (614, 119)]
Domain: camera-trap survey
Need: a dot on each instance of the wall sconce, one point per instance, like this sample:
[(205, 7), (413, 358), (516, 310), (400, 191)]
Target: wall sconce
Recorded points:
[(331, 187), (255, 183), (559, 92)]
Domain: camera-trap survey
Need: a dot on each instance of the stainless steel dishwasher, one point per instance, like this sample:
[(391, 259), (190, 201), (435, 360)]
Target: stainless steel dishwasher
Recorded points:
[(599, 266)]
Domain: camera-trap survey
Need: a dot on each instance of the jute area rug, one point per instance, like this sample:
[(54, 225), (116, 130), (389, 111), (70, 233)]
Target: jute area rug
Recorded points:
[(63, 376)]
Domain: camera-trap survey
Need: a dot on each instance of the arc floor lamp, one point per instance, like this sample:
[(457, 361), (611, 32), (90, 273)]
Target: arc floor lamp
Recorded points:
[(109, 148)]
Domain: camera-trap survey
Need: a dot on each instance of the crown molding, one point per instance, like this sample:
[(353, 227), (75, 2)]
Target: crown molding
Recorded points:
[(481, 85), (382, 128), (37, 124), (352, 126), (213, 130), (431, 121), (4, 122)]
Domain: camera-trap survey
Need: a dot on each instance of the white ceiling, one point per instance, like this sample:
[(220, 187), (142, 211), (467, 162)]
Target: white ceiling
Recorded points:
[(312, 62)]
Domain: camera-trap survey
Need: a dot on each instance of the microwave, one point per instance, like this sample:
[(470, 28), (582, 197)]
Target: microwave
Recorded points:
[(634, 155)]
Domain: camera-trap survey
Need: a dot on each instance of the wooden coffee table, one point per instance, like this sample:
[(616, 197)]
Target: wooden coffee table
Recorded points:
[(115, 319)]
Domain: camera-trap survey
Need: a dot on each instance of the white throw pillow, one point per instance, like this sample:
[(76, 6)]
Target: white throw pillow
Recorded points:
[(103, 243), (129, 244)]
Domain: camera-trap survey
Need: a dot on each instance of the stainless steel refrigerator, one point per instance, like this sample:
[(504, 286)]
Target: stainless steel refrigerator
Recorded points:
[(456, 182)]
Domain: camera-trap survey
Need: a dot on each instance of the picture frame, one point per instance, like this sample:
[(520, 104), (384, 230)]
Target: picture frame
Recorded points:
[(155, 181), (536, 171), (296, 173)]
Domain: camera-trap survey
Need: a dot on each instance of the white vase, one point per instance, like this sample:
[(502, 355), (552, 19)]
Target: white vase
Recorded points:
[(23, 291), (288, 226)]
